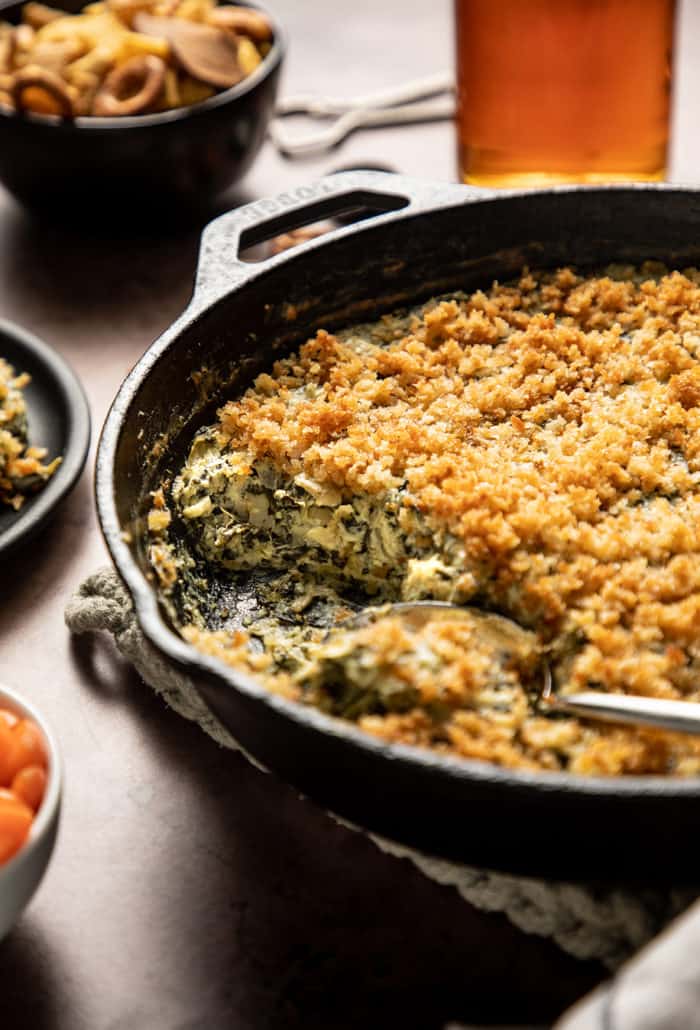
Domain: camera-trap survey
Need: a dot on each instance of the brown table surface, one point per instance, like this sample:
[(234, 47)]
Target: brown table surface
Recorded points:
[(188, 890)]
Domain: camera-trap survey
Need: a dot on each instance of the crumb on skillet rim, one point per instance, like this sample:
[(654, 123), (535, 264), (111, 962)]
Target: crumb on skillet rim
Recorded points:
[(268, 431)]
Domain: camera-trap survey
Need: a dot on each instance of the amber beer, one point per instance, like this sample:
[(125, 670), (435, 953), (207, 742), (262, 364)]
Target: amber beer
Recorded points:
[(563, 90)]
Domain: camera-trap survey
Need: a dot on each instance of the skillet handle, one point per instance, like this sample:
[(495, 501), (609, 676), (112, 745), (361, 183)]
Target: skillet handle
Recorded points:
[(220, 268)]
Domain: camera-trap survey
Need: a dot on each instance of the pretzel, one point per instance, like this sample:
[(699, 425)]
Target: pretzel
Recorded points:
[(41, 79), (24, 36), (243, 21), (132, 88)]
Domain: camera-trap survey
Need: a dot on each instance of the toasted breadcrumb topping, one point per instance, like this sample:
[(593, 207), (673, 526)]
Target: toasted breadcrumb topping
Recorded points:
[(22, 469), (551, 428)]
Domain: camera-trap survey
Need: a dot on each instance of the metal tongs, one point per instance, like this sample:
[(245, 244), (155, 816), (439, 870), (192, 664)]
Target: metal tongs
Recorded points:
[(399, 105)]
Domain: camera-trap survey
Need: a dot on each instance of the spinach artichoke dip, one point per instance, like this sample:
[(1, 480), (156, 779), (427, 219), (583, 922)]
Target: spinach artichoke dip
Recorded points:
[(21, 466), (532, 450)]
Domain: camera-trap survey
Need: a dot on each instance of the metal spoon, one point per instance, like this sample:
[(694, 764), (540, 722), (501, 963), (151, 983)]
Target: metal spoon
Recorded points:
[(207, 53), (633, 710)]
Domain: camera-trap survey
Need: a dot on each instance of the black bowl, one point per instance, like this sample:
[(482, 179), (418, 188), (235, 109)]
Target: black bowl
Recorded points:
[(59, 420), (167, 160)]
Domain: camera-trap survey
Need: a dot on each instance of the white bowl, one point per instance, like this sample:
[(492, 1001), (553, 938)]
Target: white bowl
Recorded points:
[(21, 876)]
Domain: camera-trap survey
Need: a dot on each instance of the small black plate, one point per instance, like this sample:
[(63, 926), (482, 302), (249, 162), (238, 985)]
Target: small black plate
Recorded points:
[(59, 419)]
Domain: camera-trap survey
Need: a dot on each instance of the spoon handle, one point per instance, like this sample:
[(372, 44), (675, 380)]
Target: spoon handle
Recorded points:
[(680, 716)]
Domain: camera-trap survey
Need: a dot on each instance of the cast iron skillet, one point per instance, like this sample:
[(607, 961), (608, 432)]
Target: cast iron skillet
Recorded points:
[(427, 238), (150, 163), (59, 419)]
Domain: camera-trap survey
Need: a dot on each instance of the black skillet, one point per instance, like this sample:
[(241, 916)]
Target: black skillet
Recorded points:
[(59, 420), (425, 238)]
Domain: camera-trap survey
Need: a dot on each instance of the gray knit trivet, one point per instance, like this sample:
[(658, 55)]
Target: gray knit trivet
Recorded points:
[(608, 925)]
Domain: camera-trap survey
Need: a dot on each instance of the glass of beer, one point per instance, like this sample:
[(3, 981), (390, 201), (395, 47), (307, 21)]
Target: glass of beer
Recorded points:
[(563, 90)]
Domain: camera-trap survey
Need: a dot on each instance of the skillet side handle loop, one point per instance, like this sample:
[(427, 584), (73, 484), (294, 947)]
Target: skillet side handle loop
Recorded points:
[(220, 267)]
